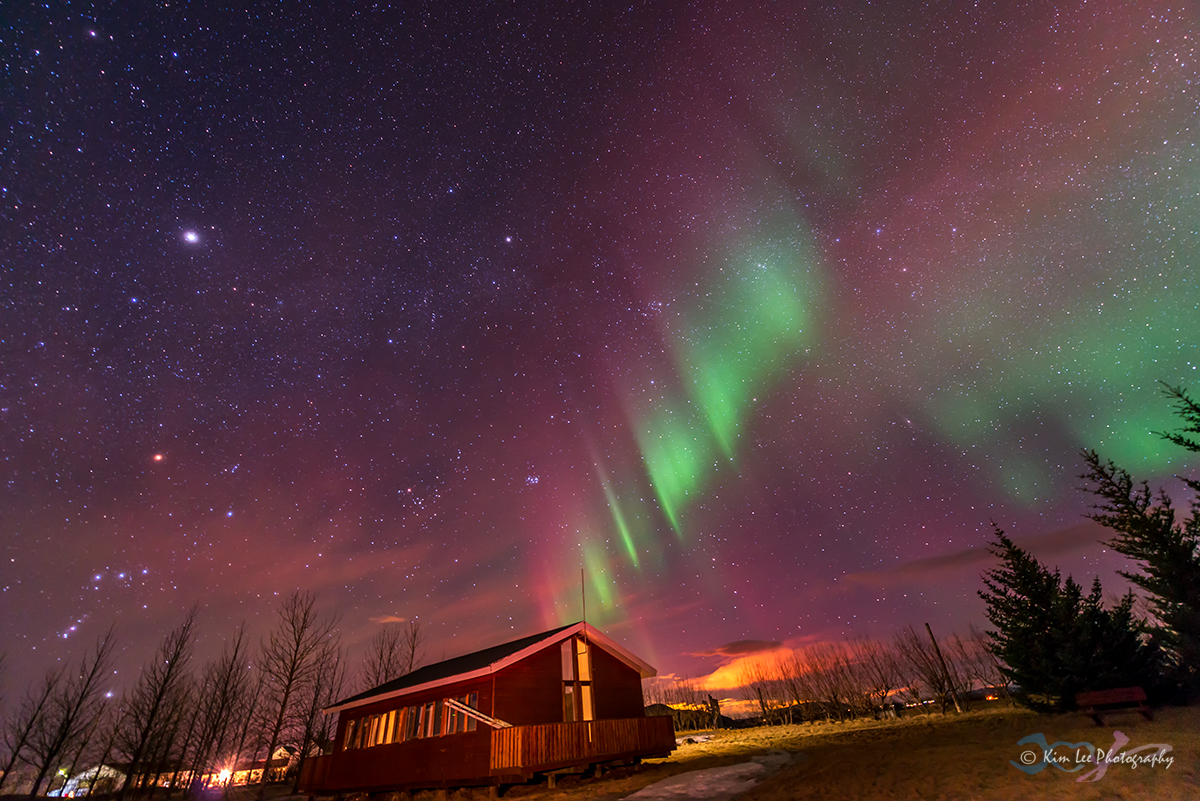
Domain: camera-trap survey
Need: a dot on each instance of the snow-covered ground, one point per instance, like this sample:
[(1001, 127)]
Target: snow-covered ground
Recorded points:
[(717, 784)]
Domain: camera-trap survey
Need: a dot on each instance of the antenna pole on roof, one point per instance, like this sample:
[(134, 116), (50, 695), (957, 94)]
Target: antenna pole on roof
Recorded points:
[(583, 596)]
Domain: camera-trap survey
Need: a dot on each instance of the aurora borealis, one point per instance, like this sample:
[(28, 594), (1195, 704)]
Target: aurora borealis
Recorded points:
[(758, 316)]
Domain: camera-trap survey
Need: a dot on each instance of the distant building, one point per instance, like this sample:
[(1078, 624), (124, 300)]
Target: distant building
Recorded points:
[(250, 771), (560, 700), (98, 780)]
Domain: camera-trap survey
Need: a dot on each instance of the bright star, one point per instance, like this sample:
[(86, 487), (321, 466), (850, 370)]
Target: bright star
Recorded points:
[(191, 237)]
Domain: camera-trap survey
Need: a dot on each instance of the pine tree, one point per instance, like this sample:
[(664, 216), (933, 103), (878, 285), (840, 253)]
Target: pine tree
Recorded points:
[(1053, 640), (1166, 548)]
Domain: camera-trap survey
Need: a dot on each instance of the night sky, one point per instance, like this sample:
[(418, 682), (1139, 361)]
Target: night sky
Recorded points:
[(757, 316)]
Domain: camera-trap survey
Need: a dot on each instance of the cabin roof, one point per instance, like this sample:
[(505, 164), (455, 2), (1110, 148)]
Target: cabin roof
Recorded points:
[(486, 662)]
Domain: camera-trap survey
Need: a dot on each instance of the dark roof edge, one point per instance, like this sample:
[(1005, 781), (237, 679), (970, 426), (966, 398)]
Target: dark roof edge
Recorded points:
[(486, 662)]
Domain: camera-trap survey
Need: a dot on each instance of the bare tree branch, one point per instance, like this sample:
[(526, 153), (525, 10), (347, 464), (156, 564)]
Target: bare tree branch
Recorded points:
[(159, 681), (67, 712), (290, 658)]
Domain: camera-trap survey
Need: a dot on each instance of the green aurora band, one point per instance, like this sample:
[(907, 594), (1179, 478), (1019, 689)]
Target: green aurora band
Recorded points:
[(758, 316)]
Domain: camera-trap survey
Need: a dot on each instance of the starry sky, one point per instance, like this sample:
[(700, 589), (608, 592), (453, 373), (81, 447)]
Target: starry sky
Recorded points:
[(748, 318)]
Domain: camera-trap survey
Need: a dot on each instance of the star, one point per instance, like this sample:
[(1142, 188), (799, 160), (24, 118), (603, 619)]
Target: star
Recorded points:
[(191, 237)]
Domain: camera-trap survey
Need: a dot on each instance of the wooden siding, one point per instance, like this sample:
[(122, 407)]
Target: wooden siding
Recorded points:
[(530, 691), (525, 749), (617, 687), (451, 759)]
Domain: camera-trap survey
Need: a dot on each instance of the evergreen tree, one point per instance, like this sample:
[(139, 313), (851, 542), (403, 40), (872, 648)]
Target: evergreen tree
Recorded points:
[(1054, 641), (1166, 548)]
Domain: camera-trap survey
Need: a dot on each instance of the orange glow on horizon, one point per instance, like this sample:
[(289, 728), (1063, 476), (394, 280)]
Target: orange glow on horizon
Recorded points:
[(732, 675)]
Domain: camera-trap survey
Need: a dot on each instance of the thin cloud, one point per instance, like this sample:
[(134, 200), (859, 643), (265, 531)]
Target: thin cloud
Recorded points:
[(740, 648), (1054, 543)]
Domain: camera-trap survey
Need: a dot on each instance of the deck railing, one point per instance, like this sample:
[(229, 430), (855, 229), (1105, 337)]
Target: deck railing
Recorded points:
[(315, 771), (551, 744)]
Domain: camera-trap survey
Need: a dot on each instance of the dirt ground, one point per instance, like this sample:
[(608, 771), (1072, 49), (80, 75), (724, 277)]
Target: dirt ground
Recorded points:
[(927, 757)]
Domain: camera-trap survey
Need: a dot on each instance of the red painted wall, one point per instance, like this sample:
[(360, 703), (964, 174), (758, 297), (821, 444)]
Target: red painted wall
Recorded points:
[(531, 690), (618, 687)]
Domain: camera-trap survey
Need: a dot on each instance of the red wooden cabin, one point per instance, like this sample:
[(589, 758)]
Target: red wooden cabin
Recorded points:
[(563, 699)]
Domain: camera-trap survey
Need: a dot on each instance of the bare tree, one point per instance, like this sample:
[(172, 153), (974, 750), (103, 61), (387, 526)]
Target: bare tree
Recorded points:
[(67, 712), (289, 659), (792, 670), (878, 664), (761, 683), (930, 674), (102, 711), (976, 662), (688, 708), (224, 684), (28, 718), (833, 679), (166, 750), (394, 651), (158, 684), (248, 711), (187, 751), (322, 690), (114, 727)]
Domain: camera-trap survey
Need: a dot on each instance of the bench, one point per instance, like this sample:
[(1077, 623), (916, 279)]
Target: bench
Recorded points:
[(1098, 702)]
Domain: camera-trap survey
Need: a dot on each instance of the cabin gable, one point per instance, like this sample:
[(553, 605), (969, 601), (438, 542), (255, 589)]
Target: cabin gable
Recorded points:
[(530, 691), (618, 687)]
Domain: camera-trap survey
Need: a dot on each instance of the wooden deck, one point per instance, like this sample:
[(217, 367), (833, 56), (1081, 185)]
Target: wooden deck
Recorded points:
[(524, 749)]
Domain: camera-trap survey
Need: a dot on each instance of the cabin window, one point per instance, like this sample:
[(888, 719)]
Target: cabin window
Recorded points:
[(360, 732), (568, 660), (412, 722), (585, 701), (569, 713), (422, 719), (431, 719), (394, 722), (578, 703), (458, 722), (583, 660)]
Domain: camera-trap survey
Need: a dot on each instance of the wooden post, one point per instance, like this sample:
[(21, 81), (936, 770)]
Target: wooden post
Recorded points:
[(945, 671)]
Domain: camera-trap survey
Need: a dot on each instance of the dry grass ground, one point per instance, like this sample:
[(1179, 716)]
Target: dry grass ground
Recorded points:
[(927, 757), (967, 757)]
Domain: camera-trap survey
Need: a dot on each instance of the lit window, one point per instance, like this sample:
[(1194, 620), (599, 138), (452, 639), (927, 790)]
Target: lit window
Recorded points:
[(578, 702)]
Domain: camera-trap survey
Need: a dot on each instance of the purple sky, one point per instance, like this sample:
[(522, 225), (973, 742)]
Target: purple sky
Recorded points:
[(757, 317)]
